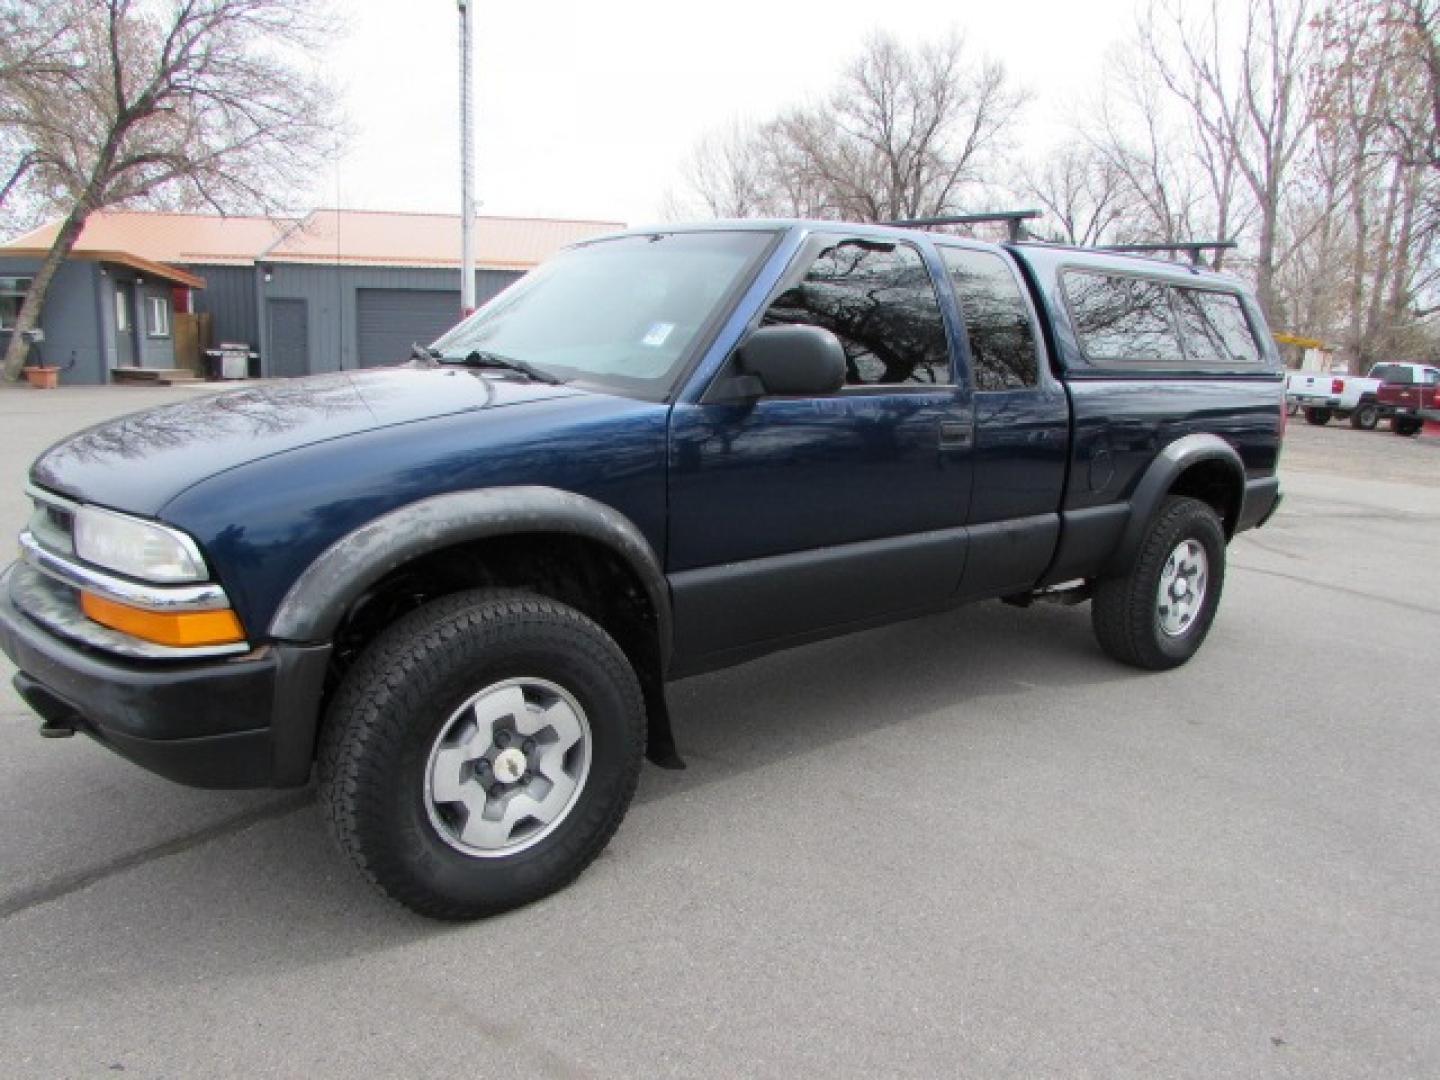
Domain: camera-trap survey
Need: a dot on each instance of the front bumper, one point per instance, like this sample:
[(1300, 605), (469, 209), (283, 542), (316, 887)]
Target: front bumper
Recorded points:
[(248, 721)]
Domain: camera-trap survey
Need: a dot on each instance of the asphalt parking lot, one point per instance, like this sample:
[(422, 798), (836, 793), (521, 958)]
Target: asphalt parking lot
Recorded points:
[(965, 846)]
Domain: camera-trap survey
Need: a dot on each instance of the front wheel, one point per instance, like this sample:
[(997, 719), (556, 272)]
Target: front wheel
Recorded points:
[(1317, 417), (481, 753), (1404, 425), (1156, 615)]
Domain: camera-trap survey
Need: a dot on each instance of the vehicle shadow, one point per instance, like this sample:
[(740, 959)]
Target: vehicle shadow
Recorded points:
[(804, 699), (264, 891)]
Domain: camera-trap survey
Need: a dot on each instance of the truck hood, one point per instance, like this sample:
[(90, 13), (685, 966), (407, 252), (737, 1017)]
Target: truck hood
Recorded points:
[(140, 462)]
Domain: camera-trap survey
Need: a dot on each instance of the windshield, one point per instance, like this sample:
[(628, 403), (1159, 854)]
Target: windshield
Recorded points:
[(619, 314)]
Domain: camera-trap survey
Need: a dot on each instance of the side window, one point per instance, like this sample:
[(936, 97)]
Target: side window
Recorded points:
[(12, 297), (1122, 319), (1432, 377), (878, 299), (1215, 328), (1001, 332)]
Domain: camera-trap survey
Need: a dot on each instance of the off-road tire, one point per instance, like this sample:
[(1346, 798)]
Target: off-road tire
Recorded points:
[(1318, 417), (1365, 416), (391, 706), (1123, 611)]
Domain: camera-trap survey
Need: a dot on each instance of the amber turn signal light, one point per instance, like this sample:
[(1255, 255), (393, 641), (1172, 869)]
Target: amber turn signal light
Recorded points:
[(179, 629)]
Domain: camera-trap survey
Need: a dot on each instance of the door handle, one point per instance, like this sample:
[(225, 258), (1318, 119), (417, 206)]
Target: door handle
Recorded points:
[(955, 433)]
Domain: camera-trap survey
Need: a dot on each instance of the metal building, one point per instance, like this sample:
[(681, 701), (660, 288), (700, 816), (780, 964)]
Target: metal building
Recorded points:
[(332, 290)]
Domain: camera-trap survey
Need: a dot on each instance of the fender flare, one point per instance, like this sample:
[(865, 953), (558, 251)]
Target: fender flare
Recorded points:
[(1156, 482), (319, 598)]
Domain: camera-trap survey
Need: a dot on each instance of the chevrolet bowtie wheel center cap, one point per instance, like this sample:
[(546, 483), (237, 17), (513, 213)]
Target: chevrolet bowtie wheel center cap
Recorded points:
[(510, 765)]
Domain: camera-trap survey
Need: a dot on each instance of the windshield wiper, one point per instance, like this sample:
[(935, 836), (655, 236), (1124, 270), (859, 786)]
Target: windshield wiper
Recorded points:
[(477, 358)]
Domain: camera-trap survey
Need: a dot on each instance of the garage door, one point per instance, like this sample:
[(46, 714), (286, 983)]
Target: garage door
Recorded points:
[(389, 321)]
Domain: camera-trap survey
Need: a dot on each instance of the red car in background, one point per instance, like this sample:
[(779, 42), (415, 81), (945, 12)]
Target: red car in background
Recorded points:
[(1409, 394)]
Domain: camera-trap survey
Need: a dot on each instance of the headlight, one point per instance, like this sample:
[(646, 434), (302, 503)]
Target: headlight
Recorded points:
[(140, 549)]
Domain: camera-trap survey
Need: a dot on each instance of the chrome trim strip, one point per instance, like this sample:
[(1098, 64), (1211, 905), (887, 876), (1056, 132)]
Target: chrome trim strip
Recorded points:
[(161, 598), (45, 602), (59, 501)]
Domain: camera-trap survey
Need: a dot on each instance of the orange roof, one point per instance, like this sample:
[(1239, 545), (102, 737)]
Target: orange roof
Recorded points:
[(350, 237), (381, 238), (204, 239)]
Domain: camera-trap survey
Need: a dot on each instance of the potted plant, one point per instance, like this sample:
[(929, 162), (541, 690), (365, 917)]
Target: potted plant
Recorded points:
[(42, 376)]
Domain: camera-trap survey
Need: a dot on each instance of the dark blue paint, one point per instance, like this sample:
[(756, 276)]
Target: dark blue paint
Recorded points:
[(267, 478)]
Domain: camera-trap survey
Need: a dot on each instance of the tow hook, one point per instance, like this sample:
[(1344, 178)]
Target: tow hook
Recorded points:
[(58, 718), (51, 730)]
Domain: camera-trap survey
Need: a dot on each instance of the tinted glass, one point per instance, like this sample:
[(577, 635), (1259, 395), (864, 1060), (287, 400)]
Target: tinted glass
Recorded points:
[(1432, 378), (619, 313), (1003, 350), (1391, 373), (878, 299), (1123, 319), (12, 296), (1215, 328)]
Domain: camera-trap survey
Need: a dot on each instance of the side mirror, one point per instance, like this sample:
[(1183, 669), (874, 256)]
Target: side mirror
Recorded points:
[(804, 361)]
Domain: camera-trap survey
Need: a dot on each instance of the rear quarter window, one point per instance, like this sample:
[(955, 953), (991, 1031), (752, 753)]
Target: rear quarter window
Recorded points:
[(1121, 319), (1215, 328), (1132, 321), (1391, 373)]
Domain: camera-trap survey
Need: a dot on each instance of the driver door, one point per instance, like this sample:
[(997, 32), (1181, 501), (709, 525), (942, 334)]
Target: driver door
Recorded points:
[(795, 517)]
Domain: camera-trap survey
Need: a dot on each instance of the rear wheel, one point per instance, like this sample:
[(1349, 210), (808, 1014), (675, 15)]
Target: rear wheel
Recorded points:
[(1156, 615), (1317, 416), (1365, 416), (1405, 425), (482, 752)]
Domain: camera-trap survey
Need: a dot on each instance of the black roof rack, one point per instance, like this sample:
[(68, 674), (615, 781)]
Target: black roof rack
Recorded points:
[(1012, 219), (1193, 248)]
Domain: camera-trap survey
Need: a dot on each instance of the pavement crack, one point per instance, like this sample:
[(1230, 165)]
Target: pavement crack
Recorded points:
[(1332, 587), (64, 885)]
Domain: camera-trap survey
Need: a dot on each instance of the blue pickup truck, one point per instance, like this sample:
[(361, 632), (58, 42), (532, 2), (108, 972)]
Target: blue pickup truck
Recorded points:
[(456, 588)]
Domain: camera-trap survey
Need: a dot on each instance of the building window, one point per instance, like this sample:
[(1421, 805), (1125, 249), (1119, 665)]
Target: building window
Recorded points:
[(12, 296), (122, 310), (159, 317)]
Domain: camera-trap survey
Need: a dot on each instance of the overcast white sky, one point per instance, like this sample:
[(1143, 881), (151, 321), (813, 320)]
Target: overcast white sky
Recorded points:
[(587, 109)]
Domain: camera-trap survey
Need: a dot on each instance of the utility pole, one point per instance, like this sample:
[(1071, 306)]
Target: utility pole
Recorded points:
[(467, 167)]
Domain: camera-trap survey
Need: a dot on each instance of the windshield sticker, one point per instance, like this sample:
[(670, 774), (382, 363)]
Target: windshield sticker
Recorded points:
[(656, 335)]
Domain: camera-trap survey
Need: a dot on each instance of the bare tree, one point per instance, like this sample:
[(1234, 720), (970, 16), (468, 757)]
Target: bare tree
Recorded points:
[(1085, 195), (903, 134), (32, 37), (193, 102), (1418, 26), (1252, 111), (1375, 136)]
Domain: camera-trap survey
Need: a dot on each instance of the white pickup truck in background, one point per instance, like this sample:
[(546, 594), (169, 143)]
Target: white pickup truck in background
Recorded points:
[(1323, 394)]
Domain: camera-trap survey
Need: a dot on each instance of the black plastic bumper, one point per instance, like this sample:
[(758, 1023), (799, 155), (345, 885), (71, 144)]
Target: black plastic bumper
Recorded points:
[(239, 723)]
